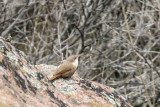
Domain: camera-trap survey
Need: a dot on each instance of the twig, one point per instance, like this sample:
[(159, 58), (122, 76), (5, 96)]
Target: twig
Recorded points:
[(134, 54)]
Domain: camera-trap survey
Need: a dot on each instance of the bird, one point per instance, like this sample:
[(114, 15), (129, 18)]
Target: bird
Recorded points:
[(67, 67)]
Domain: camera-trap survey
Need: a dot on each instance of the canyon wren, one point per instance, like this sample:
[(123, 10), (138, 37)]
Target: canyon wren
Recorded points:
[(67, 68)]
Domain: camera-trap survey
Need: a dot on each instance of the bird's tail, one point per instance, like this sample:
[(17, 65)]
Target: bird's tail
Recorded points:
[(54, 77)]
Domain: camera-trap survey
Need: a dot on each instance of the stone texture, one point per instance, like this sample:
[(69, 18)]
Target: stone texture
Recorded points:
[(26, 85)]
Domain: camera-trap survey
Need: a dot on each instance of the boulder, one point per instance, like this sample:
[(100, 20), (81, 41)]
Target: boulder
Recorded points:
[(24, 85)]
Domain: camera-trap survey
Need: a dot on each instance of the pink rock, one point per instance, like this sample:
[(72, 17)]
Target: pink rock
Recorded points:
[(23, 84)]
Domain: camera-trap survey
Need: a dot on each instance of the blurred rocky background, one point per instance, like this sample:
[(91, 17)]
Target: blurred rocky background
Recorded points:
[(120, 40)]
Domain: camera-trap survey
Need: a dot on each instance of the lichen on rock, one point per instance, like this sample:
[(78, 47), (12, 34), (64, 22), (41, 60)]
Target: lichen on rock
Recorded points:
[(23, 84)]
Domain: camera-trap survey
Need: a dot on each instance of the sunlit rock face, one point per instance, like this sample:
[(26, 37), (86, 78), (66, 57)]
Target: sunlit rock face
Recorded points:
[(23, 84)]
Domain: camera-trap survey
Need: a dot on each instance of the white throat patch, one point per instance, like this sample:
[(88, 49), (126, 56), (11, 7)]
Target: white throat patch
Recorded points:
[(76, 62)]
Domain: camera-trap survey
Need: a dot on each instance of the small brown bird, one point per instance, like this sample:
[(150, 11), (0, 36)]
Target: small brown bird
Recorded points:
[(67, 68)]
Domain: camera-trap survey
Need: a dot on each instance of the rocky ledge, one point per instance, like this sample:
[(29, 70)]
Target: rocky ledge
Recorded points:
[(26, 85)]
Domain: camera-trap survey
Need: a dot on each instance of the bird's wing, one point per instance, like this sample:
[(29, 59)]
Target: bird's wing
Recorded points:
[(64, 67)]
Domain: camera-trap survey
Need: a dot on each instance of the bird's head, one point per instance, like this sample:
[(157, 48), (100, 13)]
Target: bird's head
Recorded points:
[(74, 59)]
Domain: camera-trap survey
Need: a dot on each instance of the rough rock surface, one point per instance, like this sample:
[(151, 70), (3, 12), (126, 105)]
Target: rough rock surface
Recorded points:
[(26, 85)]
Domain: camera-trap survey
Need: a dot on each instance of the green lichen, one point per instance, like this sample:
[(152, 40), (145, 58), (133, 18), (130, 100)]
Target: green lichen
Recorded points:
[(35, 83), (67, 89), (75, 101), (120, 96), (112, 89), (118, 103), (94, 86), (110, 98), (33, 80), (29, 71), (1, 48), (11, 56), (71, 81)]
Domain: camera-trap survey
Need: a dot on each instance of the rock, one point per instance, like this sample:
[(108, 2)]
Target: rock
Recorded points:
[(23, 84)]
